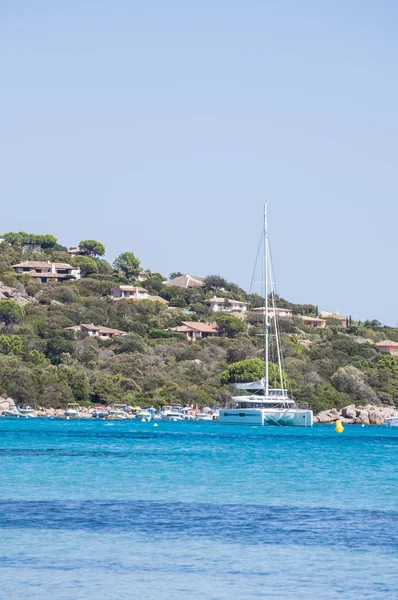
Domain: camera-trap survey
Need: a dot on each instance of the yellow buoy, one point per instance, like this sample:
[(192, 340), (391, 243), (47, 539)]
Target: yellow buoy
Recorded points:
[(339, 427)]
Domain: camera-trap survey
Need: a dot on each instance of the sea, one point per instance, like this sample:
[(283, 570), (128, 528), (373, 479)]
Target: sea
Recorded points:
[(111, 510)]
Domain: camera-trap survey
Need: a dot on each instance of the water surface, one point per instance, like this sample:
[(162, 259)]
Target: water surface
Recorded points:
[(116, 510)]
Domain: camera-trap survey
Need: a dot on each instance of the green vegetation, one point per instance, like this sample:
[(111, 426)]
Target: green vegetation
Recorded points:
[(128, 263), (42, 362), (92, 247)]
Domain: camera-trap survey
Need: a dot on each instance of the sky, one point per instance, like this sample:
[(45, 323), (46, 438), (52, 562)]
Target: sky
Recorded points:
[(161, 127)]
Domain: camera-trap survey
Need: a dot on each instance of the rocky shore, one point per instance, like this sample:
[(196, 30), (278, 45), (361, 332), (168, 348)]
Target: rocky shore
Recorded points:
[(357, 415)]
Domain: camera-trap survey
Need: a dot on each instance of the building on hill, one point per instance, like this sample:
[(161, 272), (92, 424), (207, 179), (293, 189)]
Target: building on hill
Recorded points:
[(195, 330), (388, 347), (75, 251), (135, 293), (186, 281), (314, 322), (104, 333), (283, 313), (343, 321), (31, 246), (143, 276), (46, 271), (226, 305)]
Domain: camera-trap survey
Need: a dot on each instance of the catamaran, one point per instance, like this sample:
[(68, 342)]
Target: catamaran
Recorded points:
[(263, 404)]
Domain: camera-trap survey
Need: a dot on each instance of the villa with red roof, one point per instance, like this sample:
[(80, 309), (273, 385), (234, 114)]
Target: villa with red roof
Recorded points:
[(388, 347), (195, 330)]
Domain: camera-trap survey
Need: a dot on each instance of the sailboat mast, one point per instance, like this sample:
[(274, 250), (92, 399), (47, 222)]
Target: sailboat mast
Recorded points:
[(266, 323)]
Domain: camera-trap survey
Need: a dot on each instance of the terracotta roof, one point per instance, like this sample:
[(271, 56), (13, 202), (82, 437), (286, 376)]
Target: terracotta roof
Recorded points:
[(157, 299), (306, 318), (388, 343), (331, 315), (41, 264), (100, 329), (186, 281), (203, 327)]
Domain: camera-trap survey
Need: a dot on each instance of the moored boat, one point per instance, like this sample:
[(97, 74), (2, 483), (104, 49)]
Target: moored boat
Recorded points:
[(28, 412), (144, 415), (72, 411), (267, 404), (172, 413), (13, 413), (391, 421), (117, 412)]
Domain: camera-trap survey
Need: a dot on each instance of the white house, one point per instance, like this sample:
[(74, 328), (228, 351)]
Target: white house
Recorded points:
[(45, 271), (133, 292), (226, 305), (314, 322), (195, 330), (283, 313), (104, 333), (326, 314)]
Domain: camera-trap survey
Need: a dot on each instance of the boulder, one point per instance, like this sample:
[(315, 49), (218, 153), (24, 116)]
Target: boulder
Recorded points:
[(350, 411), (361, 420), (326, 416), (347, 420), (376, 417), (362, 417), (11, 403), (18, 295)]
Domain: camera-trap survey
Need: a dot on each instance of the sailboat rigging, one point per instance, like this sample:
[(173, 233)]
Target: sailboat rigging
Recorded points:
[(266, 404)]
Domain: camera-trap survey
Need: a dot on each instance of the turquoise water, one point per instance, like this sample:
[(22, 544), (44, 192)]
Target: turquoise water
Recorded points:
[(185, 510)]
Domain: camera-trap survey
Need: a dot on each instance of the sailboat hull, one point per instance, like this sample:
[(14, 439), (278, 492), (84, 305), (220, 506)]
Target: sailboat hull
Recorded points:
[(262, 416)]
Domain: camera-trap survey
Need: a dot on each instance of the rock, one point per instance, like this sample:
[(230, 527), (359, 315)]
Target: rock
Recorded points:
[(349, 411), (376, 417), (326, 416), (347, 420), (361, 420), (18, 295), (334, 411), (362, 417)]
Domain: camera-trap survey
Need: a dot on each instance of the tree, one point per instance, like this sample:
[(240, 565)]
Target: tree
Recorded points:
[(214, 282), (252, 369), (175, 274), (11, 312), (231, 325), (128, 263), (87, 265), (92, 247), (11, 344)]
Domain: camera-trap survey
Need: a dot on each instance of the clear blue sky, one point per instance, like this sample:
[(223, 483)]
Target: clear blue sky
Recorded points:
[(160, 127)]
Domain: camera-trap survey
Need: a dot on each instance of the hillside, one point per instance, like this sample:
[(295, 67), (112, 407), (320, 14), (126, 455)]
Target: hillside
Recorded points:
[(43, 362)]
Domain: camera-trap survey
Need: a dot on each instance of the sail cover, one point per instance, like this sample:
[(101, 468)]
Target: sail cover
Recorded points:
[(253, 385)]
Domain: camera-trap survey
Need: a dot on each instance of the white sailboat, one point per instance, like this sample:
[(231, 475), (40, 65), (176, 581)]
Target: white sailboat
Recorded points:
[(265, 405)]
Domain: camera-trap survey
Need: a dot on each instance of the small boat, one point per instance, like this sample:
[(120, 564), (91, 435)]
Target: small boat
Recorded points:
[(144, 415), (391, 421), (11, 413), (204, 416), (172, 413), (117, 412), (100, 414), (72, 411), (28, 412)]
